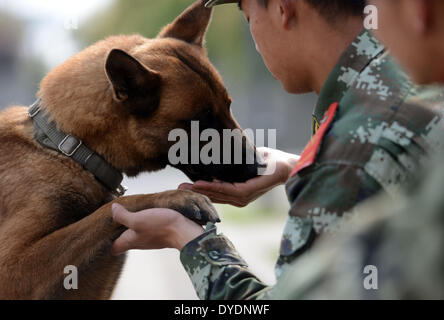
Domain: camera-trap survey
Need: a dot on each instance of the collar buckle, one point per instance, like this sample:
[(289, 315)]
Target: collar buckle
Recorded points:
[(69, 145), (34, 110), (121, 190)]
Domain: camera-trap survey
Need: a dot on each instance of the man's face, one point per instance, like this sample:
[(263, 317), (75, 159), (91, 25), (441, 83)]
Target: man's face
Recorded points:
[(398, 31), (272, 42)]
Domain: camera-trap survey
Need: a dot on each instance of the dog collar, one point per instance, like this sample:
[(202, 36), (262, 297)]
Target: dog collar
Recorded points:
[(47, 134)]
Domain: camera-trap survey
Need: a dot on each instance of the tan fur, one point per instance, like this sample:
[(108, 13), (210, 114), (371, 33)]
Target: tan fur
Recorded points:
[(53, 213)]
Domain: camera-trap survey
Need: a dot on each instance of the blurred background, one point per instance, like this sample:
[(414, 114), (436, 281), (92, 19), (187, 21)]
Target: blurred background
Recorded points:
[(37, 35)]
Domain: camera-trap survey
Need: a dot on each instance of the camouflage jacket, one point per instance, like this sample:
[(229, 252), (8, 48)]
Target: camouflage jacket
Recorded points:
[(377, 140)]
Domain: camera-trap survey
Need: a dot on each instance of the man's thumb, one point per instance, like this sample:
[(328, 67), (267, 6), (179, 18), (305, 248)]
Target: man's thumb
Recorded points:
[(122, 216), (125, 242)]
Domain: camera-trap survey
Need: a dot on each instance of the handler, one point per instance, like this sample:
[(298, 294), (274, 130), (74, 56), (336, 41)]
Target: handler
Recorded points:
[(368, 137)]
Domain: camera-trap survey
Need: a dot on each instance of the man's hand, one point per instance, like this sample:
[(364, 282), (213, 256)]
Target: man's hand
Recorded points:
[(241, 194), (153, 229)]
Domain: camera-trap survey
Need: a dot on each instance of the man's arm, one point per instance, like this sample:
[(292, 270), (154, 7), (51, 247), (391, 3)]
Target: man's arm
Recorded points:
[(217, 271)]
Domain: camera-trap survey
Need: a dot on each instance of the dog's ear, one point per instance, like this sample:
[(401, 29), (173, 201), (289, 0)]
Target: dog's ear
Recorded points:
[(133, 84), (190, 26)]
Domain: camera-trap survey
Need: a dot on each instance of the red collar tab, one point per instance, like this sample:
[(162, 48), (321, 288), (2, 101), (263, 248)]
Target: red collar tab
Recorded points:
[(309, 154)]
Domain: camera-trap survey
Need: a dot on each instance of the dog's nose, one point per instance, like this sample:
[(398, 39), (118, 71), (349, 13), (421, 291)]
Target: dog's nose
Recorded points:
[(251, 171), (247, 170), (252, 167)]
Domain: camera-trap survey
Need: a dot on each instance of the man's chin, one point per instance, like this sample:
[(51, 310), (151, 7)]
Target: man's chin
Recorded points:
[(297, 89), (423, 77)]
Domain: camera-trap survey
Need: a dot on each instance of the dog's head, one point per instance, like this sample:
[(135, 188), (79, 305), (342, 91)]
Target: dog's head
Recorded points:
[(123, 97)]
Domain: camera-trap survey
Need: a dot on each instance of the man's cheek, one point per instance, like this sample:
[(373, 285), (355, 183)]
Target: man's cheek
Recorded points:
[(256, 36), (257, 47)]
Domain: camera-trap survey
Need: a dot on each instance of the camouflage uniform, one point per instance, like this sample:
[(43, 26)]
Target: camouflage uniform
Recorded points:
[(377, 141), (401, 238)]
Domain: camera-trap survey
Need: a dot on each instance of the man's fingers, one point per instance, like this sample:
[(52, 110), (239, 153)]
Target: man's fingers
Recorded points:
[(214, 197), (219, 198), (186, 186), (122, 216), (125, 242), (218, 187), (261, 182), (201, 186), (220, 194)]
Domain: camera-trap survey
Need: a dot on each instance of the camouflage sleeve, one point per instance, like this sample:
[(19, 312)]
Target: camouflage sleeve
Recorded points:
[(322, 201), (217, 271)]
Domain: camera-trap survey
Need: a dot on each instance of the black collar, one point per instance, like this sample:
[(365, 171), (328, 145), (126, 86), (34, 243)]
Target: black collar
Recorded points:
[(48, 135)]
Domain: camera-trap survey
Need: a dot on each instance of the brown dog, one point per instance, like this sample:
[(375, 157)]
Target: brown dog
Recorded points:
[(121, 97)]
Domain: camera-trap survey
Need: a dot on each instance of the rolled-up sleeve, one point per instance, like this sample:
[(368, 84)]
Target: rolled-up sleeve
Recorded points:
[(217, 271)]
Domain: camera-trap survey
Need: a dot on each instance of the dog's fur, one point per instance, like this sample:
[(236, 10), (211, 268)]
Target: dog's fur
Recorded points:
[(121, 97)]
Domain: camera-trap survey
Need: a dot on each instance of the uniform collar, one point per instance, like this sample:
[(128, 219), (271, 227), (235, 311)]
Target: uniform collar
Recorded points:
[(361, 52)]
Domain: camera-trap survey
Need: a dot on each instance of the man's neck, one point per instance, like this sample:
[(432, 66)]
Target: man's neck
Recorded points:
[(331, 47)]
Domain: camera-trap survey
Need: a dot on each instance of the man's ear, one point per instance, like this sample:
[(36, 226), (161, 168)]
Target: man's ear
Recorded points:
[(133, 84), (287, 12), (420, 13), (190, 26)]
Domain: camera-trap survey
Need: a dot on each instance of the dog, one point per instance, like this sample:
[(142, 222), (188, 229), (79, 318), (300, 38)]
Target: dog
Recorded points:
[(119, 99)]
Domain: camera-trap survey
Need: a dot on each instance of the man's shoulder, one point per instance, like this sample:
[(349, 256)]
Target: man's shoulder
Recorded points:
[(390, 143), (370, 118), (385, 83), (384, 104)]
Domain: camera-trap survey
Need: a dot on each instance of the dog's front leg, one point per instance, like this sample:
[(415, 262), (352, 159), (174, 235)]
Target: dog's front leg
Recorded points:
[(36, 270)]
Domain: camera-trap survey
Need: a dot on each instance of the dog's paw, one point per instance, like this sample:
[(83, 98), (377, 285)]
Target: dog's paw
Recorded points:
[(192, 205)]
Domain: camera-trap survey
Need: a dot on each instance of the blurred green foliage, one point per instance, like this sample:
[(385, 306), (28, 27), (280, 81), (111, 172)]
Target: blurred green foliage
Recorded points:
[(228, 37)]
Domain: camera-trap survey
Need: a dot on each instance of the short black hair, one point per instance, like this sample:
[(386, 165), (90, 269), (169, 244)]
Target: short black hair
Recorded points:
[(331, 9), (334, 8)]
